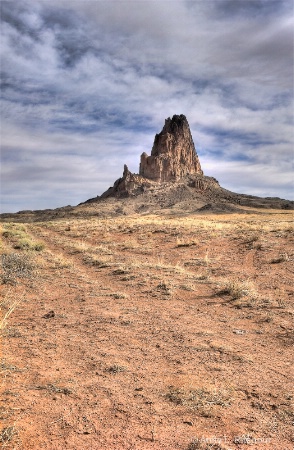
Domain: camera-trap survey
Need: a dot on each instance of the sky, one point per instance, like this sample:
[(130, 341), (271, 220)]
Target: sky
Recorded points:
[(86, 85)]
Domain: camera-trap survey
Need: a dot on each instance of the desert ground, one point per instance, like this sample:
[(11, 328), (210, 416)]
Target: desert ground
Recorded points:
[(148, 332)]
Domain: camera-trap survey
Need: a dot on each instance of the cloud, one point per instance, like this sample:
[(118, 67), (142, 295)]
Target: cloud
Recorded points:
[(86, 85)]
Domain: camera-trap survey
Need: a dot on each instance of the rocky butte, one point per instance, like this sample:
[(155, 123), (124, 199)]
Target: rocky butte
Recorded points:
[(173, 157), (170, 180), (173, 154), (171, 177)]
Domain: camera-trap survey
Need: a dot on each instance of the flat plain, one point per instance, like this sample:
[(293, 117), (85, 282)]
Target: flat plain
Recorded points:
[(148, 332)]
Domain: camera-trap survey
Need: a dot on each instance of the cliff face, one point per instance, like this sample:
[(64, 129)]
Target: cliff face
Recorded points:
[(173, 154)]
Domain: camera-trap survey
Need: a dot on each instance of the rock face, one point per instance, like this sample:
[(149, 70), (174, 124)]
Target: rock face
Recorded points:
[(173, 154), (129, 184)]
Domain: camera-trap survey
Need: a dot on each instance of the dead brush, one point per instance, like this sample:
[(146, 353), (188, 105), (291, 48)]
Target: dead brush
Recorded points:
[(7, 306), (238, 289), (78, 247), (202, 400), (206, 444), (16, 265), (102, 249), (54, 389), (7, 434), (130, 244), (283, 257), (119, 295), (251, 240), (98, 261), (116, 368), (183, 242), (60, 261), (165, 287)]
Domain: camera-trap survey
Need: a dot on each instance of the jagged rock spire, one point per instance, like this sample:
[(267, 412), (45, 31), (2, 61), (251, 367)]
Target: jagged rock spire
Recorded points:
[(173, 154)]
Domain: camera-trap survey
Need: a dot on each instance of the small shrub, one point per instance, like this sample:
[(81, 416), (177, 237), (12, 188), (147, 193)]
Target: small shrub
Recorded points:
[(164, 287), (27, 244), (237, 289), (120, 271), (22, 244), (39, 246), (8, 234), (252, 238), (16, 265), (116, 369)]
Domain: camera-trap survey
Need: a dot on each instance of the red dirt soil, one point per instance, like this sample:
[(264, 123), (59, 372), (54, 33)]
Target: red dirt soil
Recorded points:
[(148, 347)]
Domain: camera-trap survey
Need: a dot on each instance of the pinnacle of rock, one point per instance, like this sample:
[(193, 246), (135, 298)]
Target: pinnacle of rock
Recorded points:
[(173, 157), (173, 154)]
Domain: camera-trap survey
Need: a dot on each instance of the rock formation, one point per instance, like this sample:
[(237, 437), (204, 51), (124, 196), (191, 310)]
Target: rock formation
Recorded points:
[(129, 184), (173, 155), (170, 179)]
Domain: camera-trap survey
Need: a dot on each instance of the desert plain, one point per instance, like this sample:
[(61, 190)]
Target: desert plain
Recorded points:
[(148, 331)]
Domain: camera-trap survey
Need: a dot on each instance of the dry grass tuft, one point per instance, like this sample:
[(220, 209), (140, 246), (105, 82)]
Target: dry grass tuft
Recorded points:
[(61, 262), (27, 244), (6, 309), (202, 400), (98, 261), (7, 434), (283, 257), (183, 242), (238, 289), (206, 444), (54, 389), (19, 238)]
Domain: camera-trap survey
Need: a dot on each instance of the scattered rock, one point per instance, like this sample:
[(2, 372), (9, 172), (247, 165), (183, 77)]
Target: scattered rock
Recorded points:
[(188, 422), (239, 331), (49, 315)]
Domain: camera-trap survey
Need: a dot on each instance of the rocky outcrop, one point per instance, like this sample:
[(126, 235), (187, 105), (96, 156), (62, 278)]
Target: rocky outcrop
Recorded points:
[(173, 155), (129, 184)]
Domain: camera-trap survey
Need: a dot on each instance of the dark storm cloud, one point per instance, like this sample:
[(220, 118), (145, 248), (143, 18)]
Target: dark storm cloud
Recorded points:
[(72, 40), (16, 15), (86, 85)]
